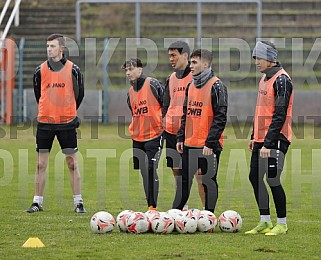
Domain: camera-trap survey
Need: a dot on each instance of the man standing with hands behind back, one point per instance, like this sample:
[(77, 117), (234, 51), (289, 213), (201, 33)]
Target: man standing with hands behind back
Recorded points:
[(174, 96), (200, 137), (145, 100), (59, 91)]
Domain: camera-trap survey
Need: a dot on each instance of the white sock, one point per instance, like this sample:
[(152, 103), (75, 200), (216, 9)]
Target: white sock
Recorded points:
[(77, 199), (38, 199), (185, 207), (265, 218), (281, 221)]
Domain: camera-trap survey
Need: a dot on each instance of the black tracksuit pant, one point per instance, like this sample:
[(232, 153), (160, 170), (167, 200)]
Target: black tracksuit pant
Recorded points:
[(146, 157), (192, 160), (272, 168)]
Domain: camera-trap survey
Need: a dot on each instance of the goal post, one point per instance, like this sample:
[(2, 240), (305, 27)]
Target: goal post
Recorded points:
[(7, 79)]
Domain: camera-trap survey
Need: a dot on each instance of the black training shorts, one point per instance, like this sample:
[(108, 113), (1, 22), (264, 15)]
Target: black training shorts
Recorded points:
[(67, 139), (173, 157)]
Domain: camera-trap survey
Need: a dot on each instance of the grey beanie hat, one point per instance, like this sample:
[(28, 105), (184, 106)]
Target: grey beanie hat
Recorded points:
[(264, 51)]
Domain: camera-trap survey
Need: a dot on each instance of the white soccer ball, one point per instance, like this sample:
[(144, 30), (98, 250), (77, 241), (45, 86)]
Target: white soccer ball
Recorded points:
[(102, 222), (207, 221), (195, 212), (151, 213), (186, 223), (174, 212), (121, 219), (137, 222), (162, 223), (230, 221)]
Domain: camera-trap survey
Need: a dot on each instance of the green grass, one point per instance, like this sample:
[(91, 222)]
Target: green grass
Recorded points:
[(109, 186)]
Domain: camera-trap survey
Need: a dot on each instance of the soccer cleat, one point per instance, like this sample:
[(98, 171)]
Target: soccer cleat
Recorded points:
[(279, 229), (34, 208), (80, 208), (151, 208), (261, 228)]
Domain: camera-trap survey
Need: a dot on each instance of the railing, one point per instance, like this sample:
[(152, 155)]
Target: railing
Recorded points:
[(199, 12), (14, 14)]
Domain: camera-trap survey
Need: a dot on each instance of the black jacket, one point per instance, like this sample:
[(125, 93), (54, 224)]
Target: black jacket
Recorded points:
[(156, 87), (78, 85), (283, 89), (167, 98), (219, 106)]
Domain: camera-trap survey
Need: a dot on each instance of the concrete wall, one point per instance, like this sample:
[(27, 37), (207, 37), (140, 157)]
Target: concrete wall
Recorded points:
[(118, 110), (241, 105), (306, 104)]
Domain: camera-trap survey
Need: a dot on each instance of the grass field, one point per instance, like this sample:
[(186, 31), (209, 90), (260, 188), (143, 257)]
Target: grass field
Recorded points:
[(110, 184)]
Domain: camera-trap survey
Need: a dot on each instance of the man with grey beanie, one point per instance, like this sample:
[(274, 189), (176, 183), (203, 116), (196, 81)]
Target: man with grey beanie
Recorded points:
[(271, 137)]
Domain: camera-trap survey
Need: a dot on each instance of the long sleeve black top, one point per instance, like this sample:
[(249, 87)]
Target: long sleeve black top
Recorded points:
[(77, 79), (156, 87), (78, 86), (219, 106), (283, 89)]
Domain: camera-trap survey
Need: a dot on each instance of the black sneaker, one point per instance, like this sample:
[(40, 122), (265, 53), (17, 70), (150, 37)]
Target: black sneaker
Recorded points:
[(80, 208), (34, 208)]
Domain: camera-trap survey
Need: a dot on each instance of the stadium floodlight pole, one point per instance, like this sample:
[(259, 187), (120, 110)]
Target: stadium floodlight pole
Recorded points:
[(199, 12), (20, 82), (199, 23), (259, 19), (137, 23), (105, 83)]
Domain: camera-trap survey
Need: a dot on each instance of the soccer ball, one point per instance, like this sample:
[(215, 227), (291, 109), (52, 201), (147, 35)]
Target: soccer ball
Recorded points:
[(137, 222), (186, 223), (195, 212), (102, 222), (174, 212), (151, 213), (207, 221), (230, 221), (162, 223), (121, 220)]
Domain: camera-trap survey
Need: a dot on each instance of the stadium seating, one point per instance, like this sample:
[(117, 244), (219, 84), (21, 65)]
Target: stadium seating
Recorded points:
[(289, 19)]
